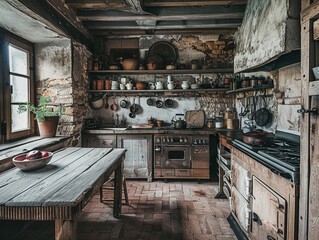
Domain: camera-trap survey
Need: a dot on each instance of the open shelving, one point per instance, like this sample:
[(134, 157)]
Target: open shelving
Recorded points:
[(251, 89)]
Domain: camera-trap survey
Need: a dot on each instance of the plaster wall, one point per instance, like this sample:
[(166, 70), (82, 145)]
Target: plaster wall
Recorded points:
[(270, 28), (284, 109)]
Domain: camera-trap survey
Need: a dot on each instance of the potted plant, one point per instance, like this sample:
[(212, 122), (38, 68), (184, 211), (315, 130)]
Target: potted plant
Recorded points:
[(47, 119)]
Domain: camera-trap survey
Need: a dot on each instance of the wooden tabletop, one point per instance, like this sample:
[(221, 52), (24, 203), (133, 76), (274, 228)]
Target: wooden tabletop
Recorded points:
[(63, 182)]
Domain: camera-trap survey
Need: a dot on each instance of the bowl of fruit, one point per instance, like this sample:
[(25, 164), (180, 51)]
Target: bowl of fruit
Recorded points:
[(32, 160)]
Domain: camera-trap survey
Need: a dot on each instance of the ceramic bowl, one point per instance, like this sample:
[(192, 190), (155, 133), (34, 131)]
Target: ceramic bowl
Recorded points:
[(97, 104), (23, 164)]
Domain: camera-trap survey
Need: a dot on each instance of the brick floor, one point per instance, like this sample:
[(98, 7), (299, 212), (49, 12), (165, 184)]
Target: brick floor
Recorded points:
[(157, 210)]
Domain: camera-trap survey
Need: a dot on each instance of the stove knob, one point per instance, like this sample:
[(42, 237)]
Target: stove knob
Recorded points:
[(204, 141), (195, 141), (199, 141), (185, 140), (158, 162), (171, 139), (158, 140), (181, 140), (164, 139)]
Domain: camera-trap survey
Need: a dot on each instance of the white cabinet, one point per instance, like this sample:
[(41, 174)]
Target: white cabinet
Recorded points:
[(138, 158)]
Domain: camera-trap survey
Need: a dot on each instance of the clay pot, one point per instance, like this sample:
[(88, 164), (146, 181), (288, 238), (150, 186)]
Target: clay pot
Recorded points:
[(100, 85), (48, 128), (107, 84), (141, 85), (154, 62), (130, 64)]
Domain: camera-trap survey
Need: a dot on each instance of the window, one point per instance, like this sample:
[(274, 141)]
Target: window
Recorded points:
[(17, 87)]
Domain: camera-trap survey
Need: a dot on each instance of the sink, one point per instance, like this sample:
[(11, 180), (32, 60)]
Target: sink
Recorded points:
[(114, 129)]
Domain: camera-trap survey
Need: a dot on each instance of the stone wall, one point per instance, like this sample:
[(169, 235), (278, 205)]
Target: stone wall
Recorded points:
[(61, 75)]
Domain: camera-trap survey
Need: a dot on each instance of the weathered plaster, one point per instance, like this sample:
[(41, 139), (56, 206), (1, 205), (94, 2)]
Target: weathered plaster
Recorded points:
[(25, 26), (284, 113), (269, 29)]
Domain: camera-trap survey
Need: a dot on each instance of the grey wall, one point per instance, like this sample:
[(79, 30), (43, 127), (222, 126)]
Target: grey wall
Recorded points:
[(270, 28)]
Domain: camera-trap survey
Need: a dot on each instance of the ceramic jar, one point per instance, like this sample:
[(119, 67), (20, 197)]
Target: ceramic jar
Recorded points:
[(159, 85), (115, 85), (185, 85), (129, 86)]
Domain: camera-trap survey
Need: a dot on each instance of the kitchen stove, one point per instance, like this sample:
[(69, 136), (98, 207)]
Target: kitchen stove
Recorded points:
[(282, 156)]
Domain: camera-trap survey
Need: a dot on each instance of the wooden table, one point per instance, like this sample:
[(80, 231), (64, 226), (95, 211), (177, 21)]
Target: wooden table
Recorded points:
[(61, 189)]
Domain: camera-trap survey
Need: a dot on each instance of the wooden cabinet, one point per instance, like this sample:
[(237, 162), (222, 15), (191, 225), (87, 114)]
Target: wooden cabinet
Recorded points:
[(99, 141), (138, 158)]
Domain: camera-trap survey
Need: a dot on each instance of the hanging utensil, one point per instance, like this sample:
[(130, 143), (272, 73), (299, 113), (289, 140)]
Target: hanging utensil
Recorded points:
[(263, 115)]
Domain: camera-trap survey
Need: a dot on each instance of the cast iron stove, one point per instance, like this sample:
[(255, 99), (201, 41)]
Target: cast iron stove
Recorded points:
[(281, 157)]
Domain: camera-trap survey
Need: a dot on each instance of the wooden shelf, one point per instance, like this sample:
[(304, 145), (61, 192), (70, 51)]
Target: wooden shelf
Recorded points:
[(251, 89), (165, 91), (175, 71)]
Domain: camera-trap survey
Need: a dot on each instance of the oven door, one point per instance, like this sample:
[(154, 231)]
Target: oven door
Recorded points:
[(176, 157), (268, 212), (240, 179)]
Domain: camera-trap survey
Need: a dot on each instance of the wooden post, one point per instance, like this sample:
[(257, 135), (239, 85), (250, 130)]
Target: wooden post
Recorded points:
[(118, 190), (65, 230)]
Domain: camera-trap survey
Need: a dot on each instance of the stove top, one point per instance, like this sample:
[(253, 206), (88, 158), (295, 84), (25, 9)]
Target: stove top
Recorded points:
[(282, 156)]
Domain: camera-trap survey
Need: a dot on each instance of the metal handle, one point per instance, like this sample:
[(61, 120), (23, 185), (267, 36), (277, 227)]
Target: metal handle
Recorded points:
[(303, 111), (256, 219)]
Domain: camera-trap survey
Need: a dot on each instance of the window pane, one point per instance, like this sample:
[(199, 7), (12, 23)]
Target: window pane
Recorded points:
[(20, 121), (18, 60), (20, 89)]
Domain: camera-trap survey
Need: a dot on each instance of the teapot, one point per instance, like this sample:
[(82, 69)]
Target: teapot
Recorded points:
[(170, 85), (129, 86), (185, 85), (159, 85), (151, 85), (179, 124)]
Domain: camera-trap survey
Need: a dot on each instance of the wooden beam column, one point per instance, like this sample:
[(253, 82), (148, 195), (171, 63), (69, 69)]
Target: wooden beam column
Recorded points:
[(65, 229)]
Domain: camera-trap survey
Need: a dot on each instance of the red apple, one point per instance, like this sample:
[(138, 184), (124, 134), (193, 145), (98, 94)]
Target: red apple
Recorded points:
[(45, 154), (35, 154)]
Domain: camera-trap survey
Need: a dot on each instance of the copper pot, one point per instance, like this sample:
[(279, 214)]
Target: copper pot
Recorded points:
[(107, 84), (141, 85), (130, 64), (260, 138)]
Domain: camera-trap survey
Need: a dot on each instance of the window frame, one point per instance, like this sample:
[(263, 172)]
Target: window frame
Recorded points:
[(7, 39)]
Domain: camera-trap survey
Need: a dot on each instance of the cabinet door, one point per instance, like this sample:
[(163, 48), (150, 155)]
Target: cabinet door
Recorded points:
[(268, 212), (99, 141), (138, 158), (240, 209)]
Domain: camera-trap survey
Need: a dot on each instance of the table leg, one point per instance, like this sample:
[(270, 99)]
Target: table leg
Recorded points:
[(118, 191), (65, 230)]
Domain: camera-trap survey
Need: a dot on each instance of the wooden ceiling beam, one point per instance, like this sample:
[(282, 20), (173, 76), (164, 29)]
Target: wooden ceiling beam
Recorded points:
[(165, 27), (238, 15), (193, 3), (101, 33), (96, 4)]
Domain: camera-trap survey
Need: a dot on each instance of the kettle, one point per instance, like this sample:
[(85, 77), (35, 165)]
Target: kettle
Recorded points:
[(179, 124)]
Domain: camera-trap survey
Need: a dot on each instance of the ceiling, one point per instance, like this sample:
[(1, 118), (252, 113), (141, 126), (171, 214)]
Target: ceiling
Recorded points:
[(138, 17)]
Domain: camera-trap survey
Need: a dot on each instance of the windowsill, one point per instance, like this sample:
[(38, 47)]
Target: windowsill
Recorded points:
[(9, 150)]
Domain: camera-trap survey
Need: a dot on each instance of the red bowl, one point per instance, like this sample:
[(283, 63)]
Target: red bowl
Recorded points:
[(24, 164)]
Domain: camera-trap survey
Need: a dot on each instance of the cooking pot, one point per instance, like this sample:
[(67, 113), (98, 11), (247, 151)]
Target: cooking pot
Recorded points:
[(179, 124), (141, 85), (258, 138), (159, 103), (130, 64), (169, 103), (124, 104)]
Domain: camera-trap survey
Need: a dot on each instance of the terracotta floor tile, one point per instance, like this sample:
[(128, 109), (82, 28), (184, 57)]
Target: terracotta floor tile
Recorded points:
[(156, 211)]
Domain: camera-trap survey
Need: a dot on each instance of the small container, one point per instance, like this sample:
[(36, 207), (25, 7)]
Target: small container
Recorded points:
[(261, 81), (96, 64), (219, 123), (253, 81), (230, 113), (246, 82), (90, 64), (107, 84), (100, 85), (93, 84), (210, 123)]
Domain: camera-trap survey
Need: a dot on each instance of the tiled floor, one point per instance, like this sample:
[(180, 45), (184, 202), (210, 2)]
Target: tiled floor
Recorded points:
[(157, 210)]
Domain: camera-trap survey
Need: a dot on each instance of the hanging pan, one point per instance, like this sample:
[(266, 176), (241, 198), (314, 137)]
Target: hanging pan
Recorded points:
[(263, 116)]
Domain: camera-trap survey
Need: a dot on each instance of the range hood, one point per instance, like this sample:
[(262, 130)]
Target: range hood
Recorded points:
[(269, 37)]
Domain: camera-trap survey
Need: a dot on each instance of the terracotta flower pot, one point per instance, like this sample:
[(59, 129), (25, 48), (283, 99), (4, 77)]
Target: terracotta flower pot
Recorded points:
[(48, 128)]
